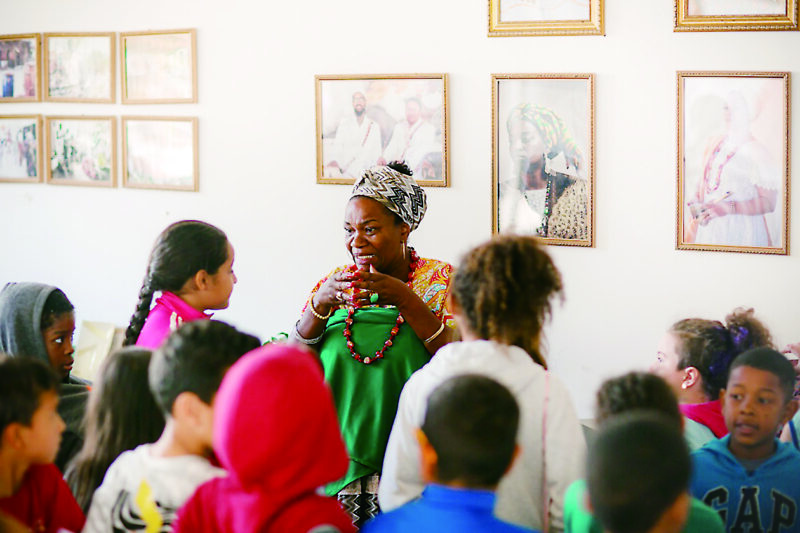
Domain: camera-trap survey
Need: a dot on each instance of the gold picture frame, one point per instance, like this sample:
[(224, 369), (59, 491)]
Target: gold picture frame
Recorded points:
[(20, 68), (160, 153), (733, 161), (520, 18), (689, 16), (543, 156), (21, 148), (368, 119), (81, 150), (159, 67), (79, 67)]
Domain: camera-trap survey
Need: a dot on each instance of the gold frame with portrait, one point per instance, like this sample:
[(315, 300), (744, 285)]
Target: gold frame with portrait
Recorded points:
[(112, 143), (37, 84), (444, 125), (497, 105), (110, 67), (37, 121), (594, 25), (765, 22), (686, 228)]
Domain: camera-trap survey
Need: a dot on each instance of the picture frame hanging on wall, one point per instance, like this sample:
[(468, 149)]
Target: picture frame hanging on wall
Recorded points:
[(160, 153), (543, 154), (20, 65), (368, 120), (159, 67), (21, 148), (733, 161), (79, 67), (81, 150), (520, 18), (735, 15)]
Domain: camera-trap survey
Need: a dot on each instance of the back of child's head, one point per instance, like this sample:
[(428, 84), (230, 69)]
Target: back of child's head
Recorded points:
[(471, 422), (181, 250), (638, 466), (23, 380), (194, 359), (121, 415), (636, 391), (771, 361), (504, 288), (709, 346)]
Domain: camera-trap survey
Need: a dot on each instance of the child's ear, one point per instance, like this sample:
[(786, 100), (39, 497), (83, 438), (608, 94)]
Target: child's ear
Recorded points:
[(201, 280), (677, 514), (12, 436), (790, 410), (691, 376), (428, 458), (185, 406), (514, 457)]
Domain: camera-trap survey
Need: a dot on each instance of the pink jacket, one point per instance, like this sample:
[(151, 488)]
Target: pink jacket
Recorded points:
[(167, 315)]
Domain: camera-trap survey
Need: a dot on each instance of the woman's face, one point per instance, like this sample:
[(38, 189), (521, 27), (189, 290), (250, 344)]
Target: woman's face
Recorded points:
[(373, 237), (666, 363), (525, 142)]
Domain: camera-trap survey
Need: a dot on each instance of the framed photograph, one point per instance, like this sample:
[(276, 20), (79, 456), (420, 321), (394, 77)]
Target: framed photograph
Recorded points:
[(20, 148), (735, 15), (20, 57), (543, 156), (159, 67), (159, 153), (514, 18), (80, 67), (733, 161), (369, 120), (82, 151)]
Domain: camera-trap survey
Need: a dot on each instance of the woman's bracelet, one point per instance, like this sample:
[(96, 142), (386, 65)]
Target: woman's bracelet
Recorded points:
[(314, 311), (302, 340), (433, 337)]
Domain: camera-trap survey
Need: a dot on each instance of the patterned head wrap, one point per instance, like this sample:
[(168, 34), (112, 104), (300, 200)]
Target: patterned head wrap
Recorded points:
[(554, 132), (397, 192)]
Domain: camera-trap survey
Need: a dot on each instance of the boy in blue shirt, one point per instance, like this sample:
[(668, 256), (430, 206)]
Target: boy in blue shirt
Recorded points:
[(748, 476), (467, 443)]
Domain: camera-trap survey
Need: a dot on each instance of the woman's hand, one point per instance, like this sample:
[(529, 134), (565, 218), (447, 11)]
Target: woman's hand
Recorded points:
[(711, 210), (388, 289), (332, 293)]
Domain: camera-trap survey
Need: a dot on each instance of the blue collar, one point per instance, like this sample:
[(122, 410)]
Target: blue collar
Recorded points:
[(478, 499)]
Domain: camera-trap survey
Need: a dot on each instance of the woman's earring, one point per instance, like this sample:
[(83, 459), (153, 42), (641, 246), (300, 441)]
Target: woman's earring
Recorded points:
[(404, 249)]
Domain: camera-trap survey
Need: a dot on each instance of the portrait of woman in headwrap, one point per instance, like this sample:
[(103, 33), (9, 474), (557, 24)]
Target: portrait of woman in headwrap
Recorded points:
[(546, 193)]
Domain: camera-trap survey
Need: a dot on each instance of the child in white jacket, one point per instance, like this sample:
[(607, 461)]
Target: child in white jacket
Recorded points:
[(501, 297)]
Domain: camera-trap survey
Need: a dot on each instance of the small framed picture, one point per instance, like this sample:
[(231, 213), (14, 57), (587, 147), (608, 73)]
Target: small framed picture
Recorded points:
[(513, 18), (159, 67), (733, 161), (370, 120), (20, 148), (735, 15), (160, 153), (543, 156), (80, 67), (82, 151), (20, 57)]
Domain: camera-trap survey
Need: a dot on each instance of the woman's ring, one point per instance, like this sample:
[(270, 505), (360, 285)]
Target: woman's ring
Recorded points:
[(339, 296), (373, 298)]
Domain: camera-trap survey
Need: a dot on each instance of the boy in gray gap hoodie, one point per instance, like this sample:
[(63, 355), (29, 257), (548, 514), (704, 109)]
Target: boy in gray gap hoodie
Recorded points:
[(37, 320)]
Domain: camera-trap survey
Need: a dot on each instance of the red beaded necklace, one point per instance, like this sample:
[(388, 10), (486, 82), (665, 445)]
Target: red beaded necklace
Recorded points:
[(348, 322)]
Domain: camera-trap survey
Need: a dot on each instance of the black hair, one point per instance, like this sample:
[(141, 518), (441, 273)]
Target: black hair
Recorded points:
[(194, 359), (471, 421), (635, 391), (637, 467), (23, 380), (504, 288), (770, 361), (401, 167), (709, 346), (121, 414), (181, 251), (56, 305)]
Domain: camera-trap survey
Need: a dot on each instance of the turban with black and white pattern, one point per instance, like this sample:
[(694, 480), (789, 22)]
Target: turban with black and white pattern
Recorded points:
[(397, 192)]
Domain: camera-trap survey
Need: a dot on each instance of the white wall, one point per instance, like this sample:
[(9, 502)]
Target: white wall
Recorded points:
[(257, 62)]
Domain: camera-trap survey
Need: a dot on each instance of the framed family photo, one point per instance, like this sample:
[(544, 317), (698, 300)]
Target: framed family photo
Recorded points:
[(369, 120), (79, 67), (735, 15), (20, 60), (82, 151), (733, 161), (543, 156), (511, 18), (20, 148), (159, 67), (159, 153)]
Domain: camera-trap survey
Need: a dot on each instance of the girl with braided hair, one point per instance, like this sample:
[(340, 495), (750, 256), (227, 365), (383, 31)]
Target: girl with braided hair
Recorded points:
[(548, 195), (694, 356), (192, 266)]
